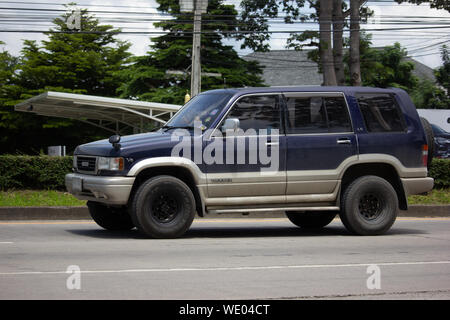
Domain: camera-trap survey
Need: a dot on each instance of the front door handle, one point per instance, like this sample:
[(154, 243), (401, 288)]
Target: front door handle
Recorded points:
[(344, 141)]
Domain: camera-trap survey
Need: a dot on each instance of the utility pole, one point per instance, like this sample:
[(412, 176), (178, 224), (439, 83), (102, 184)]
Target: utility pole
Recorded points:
[(198, 7), (196, 78), (355, 60)]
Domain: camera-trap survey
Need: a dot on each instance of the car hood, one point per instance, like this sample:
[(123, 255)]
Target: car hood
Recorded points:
[(129, 144)]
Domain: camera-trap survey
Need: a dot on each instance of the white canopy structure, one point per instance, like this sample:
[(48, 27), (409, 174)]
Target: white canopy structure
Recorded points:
[(111, 114)]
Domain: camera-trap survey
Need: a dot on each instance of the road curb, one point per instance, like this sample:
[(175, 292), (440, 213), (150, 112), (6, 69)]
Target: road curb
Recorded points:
[(81, 213)]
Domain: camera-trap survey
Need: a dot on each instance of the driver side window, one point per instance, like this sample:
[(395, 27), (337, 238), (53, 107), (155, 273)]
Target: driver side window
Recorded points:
[(257, 112)]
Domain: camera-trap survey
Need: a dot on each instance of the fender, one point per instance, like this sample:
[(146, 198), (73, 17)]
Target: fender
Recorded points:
[(199, 176)]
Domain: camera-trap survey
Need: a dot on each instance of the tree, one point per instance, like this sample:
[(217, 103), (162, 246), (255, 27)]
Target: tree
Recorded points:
[(437, 4), (338, 41), (147, 78), (386, 67), (325, 48), (355, 63), (429, 96), (255, 26), (82, 62), (77, 62), (443, 72)]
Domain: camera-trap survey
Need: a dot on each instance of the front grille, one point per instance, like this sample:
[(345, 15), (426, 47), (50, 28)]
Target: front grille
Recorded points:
[(86, 164)]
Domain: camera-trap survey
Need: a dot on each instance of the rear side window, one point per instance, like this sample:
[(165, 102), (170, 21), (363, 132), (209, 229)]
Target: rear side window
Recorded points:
[(315, 114), (381, 113)]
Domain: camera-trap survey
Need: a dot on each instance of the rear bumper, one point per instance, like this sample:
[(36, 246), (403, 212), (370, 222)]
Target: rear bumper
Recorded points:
[(109, 190), (417, 185)]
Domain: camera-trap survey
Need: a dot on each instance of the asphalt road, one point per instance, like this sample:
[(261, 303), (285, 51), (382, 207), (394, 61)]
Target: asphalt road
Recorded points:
[(225, 259)]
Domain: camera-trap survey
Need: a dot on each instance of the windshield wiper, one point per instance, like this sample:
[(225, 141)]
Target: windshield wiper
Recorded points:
[(179, 127)]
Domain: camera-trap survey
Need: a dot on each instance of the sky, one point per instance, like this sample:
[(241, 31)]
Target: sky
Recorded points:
[(422, 44)]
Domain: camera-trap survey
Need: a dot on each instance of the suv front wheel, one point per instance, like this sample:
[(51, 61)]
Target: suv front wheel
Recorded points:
[(369, 206), (163, 207)]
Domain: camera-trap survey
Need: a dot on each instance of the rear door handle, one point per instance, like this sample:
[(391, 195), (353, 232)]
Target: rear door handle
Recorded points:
[(271, 143), (344, 141)]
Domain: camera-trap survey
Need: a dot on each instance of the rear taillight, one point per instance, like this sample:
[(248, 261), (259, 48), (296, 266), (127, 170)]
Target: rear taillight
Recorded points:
[(425, 155)]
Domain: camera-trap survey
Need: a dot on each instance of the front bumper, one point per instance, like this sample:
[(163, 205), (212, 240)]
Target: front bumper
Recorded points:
[(109, 190)]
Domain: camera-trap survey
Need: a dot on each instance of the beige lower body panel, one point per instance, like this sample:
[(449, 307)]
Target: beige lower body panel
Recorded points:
[(279, 202), (298, 189)]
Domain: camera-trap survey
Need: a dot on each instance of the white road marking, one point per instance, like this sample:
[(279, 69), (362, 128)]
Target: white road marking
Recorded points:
[(242, 268), (6, 242)]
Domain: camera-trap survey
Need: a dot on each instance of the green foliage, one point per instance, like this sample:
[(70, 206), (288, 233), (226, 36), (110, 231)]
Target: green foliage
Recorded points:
[(427, 95), (440, 171), (33, 172), (146, 78), (443, 73), (430, 95), (438, 4), (76, 62), (80, 62), (386, 67), (38, 198)]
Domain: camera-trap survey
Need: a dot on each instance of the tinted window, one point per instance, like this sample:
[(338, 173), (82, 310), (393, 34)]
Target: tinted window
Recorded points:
[(257, 112), (317, 115), (381, 113)]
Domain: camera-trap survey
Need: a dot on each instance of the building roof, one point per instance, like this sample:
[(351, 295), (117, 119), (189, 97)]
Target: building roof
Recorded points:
[(287, 68), (111, 114), (290, 67)]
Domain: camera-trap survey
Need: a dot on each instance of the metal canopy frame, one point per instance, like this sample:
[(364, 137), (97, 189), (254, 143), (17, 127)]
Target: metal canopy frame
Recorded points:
[(111, 114)]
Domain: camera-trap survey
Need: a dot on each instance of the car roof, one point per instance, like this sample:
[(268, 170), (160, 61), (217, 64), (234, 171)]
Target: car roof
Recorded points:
[(344, 89)]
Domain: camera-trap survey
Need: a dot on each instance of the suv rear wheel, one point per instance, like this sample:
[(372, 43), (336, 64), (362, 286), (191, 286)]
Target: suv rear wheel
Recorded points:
[(110, 218), (369, 206), (163, 207), (311, 219)]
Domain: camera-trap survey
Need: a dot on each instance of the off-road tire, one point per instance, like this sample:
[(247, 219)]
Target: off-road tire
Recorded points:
[(163, 207), (369, 206)]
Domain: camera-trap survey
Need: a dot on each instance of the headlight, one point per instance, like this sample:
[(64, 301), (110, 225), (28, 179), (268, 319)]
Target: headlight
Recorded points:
[(110, 163)]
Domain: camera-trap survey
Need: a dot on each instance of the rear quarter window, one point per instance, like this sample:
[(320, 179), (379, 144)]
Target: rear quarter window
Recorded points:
[(381, 113)]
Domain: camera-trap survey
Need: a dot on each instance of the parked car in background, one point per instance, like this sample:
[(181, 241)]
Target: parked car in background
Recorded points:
[(441, 142)]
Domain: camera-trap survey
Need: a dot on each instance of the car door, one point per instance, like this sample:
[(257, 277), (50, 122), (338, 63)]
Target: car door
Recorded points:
[(320, 139), (254, 155)]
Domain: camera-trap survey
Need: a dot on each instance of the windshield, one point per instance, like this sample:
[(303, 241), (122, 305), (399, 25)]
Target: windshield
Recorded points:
[(203, 107)]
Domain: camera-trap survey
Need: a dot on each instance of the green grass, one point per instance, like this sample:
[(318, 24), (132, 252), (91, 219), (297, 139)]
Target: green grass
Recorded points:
[(38, 198), (436, 196), (43, 198)]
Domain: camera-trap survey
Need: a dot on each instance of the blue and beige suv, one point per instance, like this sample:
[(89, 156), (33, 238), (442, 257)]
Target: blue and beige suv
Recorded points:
[(313, 152)]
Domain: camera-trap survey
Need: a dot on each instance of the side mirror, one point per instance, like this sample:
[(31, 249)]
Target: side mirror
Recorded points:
[(114, 140), (230, 124)]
